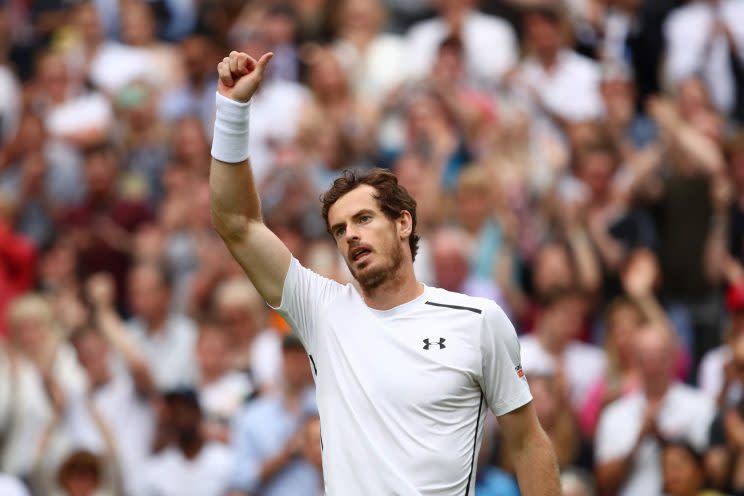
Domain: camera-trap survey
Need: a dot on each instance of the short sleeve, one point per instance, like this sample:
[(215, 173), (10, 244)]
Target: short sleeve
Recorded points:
[(304, 295), (503, 381)]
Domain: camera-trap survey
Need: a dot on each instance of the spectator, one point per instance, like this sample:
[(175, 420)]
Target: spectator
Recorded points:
[(490, 43), (166, 340), (684, 472), (11, 486), (17, 261), (714, 49), (190, 465), (554, 345), (268, 433), (627, 442), (222, 391), (254, 347)]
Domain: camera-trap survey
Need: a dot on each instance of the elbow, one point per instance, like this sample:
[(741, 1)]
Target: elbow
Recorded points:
[(230, 227)]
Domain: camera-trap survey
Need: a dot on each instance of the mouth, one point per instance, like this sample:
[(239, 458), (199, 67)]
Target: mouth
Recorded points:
[(360, 253)]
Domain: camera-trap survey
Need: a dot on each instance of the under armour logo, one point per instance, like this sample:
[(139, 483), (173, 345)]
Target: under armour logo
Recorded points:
[(440, 343)]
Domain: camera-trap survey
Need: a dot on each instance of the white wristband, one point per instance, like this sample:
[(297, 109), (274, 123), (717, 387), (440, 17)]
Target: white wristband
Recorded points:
[(230, 140)]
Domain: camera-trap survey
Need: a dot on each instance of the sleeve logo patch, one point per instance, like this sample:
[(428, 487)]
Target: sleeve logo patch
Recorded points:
[(519, 371)]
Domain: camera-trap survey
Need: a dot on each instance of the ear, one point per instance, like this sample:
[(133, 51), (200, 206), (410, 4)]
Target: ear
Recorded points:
[(405, 224)]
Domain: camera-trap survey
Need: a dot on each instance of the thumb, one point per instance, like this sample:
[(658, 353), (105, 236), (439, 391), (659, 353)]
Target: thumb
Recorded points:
[(263, 62)]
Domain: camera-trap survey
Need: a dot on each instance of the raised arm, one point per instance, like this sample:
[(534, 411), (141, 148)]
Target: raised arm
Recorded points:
[(234, 200)]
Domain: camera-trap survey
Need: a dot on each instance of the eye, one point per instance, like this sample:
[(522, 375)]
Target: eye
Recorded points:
[(365, 218), (339, 231)]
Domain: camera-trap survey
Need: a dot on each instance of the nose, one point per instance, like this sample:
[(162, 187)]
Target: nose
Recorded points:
[(351, 235)]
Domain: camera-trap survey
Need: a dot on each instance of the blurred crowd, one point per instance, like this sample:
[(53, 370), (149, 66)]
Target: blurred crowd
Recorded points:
[(581, 162)]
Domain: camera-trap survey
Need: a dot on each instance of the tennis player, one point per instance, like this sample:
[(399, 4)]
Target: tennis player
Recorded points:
[(404, 372)]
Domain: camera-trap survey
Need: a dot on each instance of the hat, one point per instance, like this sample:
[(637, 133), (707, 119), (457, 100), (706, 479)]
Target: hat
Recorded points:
[(735, 297)]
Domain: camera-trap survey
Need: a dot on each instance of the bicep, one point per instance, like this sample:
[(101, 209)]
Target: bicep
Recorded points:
[(519, 425), (264, 258)]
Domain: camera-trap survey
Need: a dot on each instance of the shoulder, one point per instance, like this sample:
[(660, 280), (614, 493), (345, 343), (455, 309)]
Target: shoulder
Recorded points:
[(217, 453), (426, 28), (476, 305), (494, 25), (688, 397), (681, 17), (580, 64)]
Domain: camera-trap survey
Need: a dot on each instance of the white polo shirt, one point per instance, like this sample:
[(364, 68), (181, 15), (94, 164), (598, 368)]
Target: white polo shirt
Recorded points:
[(402, 393)]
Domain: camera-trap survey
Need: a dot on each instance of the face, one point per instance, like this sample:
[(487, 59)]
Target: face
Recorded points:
[(361, 16), (87, 22), (296, 367), (137, 26), (564, 319), (682, 476), (100, 172), (238, 321), (372, 245), (596, 172), (185, 418), (450, 264), (473, 207), (552, 269), (327, 76), (544, 34), (148, 295), (654, 350), (92, 354), (212, 351), (80, 484), (622, 329), (30, 335)]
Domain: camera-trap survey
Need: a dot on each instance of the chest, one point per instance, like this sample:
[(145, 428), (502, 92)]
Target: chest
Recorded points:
[(413, 360)]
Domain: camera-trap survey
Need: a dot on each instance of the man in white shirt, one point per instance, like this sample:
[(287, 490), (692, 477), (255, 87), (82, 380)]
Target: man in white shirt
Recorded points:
[(701, 39), (489, 42), (404, 372), (554, 345), (627, 443)]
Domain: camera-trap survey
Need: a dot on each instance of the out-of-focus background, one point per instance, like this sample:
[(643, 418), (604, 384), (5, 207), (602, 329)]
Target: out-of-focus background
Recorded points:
[(581, 162)]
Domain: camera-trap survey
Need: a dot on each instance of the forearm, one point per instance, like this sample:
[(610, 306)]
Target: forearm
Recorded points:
[(537, 466), (587, 265), (270, 468)]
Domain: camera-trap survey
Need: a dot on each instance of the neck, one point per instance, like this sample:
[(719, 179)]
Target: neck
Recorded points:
[(156, 323), (656, 390), (191, 447), (548, 58), (210, 376), (551, 345), (359, 38), (401, 288)]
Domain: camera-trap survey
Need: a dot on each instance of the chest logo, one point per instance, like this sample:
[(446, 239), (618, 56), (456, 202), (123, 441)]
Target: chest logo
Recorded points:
[(427, 343)]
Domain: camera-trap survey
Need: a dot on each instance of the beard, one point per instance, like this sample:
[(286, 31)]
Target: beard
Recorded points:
[(373, 278)]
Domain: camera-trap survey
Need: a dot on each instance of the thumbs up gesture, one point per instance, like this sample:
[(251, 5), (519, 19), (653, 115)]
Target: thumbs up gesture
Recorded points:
[(241, 75)]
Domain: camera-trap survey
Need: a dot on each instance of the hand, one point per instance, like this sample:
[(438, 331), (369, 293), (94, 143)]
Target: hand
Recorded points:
[(649, 426), (240, 75), (641, 274), (101, 291)]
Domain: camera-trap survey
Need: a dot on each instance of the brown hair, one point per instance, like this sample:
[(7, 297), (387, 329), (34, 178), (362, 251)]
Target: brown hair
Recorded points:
[(392, 198)]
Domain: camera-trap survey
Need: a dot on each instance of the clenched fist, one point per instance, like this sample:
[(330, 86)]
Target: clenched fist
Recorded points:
[(240, 75)]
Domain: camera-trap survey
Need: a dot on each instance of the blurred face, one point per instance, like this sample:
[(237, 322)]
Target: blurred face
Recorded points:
[(372, 245), (296, 367), (100, 173), (618, 99), (425, 113), (190, 142), (655, 359), (92, 353), (682, 476), (212, 352), (327, 78), (361, 16), (596, 170), (185, 418), (450, 264), (52, 76), (137, 26), (29, 335), (148, 295), (563, 320), (80, 483), (449, 64), (552, 269), (88, 24), (473, 208), (622, 329), (197, 57), (544, 34), (238, 321)]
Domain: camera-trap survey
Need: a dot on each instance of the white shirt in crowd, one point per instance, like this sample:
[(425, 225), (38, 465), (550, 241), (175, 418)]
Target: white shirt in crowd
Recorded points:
[(582, 362), (266, 359), (711, 373), (170, 352), (692, 48), (410, 385), (9, 103), (569, 90), (10, 486), (221, 399), (275, 118), (686, 413), (84, 113), (30, 411), (129, 418), (376, 71), (171, 474), (489, 42)]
